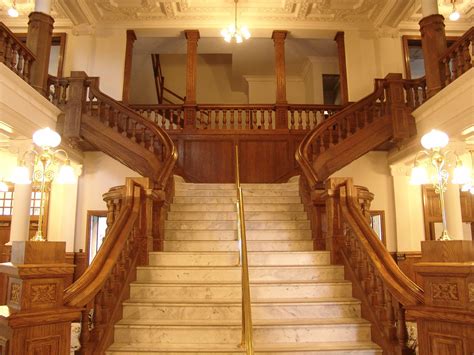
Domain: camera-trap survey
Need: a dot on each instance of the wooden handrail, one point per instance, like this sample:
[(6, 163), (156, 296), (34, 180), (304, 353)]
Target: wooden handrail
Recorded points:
[(14, 54), (90, 110), (458, 59), (385, 291), (103, 287), (247, 326)]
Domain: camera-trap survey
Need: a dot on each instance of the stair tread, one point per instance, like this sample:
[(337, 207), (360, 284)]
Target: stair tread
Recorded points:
[(340, 345), (238, 301), (290, 282), (238, 322)]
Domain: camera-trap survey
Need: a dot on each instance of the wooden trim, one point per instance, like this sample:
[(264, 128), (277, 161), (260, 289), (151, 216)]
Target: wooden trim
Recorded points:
[(127, 70), (381, 213), (341, 51), (90, 214)]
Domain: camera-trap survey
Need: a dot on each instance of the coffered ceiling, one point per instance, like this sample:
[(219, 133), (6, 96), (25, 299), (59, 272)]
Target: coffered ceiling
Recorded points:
[(264, 14)]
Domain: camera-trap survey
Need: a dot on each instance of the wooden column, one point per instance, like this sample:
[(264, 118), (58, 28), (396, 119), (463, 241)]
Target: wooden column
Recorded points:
[(73, 109), (38, 40), (127, 70), (433, 41), (341, 52), (445, 321), (34, 321), (192, 37), (281, 109)]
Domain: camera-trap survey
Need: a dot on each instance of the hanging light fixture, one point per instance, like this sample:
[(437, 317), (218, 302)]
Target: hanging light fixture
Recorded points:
[(454, 15), (12, 11), (234, 33)]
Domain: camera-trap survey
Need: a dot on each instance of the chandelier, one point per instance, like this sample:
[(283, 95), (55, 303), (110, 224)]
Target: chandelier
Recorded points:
[(234, 33)]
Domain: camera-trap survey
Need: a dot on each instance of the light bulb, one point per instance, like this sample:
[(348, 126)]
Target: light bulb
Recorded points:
[(419, 176), (46, 138), (12, 12), (3, 186), (21, 175), (66, 175), (461, 174), (455, 15), (245, 32), (434, 140)]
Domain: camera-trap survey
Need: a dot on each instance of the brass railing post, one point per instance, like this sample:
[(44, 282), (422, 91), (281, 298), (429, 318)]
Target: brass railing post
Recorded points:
[(247, 328)]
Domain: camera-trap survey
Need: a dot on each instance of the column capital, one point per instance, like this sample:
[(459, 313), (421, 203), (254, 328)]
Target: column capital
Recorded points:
[(279, 35), (42, 17), (192, 35), (432, 20)]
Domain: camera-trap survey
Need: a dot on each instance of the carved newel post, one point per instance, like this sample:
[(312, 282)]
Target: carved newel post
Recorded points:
[(281, 109), (35, 321), (446, 320), (192, 37)]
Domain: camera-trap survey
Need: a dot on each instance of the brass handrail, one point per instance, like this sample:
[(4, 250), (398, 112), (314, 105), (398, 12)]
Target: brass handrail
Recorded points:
[(247, 330)]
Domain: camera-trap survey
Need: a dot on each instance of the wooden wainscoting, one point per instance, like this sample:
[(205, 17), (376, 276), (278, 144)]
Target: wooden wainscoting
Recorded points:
[(265, 157)]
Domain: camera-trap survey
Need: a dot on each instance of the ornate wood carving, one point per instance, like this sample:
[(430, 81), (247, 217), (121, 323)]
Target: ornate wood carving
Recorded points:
[(341, 52), (445, 291)]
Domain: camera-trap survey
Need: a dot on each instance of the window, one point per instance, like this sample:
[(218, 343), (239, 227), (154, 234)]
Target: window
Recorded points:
[(377, 222), (96, 229)]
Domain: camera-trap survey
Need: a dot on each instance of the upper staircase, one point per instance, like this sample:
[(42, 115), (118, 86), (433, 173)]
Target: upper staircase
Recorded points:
[(188, 300)]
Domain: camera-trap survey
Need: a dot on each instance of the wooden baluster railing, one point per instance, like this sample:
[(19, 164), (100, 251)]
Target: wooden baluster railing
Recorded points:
[(457, 59), (14, 54)]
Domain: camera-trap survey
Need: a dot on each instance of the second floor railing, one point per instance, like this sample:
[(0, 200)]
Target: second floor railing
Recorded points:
[(236, 117), (458, 58), (14, 54)]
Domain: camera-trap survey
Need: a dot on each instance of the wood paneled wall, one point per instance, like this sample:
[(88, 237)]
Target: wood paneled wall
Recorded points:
[(209, 156)]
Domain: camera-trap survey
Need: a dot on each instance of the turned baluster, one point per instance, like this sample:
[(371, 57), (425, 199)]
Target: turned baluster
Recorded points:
[(20, 62), (370, 282), (86, 324), (379, 298), (64, 91), (8, 53), (239, 119), (151, 146), (180, 119), (364, 272), (254, 118), (402, 332), (321, 144), (466, 56), (232, 119), (390, 329), (270, 119), (447, 71), (224, 119), (13, 51), (300, 119), (458, 58), (143, 136), (134, 131)]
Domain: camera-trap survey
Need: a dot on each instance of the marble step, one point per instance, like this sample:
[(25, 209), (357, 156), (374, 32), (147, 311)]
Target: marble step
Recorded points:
[(233, 193), (231, 309), (233, 199), (183, 258), (269, 193), (279, 258), (269, 235), (230, 207), (203, 291), (232, 216), (228, 332), (233, 245), (233, 274), (204, 186), (250, 225), (334, 348), (259, 291), (203, 207)]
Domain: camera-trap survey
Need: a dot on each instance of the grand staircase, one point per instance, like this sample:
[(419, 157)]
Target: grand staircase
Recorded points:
[(188, 300)]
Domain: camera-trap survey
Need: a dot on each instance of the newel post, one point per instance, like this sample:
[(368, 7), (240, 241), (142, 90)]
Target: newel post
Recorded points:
[(38, 40), (281, 105), (403, 123), (192, 37), (433, 41), (75, 105), (35, 320)]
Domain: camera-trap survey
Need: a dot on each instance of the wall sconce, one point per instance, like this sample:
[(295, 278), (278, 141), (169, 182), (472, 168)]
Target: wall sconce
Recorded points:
[(45, 169), (434, 142)]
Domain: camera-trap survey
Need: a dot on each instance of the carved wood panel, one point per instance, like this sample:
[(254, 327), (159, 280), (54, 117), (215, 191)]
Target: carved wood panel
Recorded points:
[(210, 157)]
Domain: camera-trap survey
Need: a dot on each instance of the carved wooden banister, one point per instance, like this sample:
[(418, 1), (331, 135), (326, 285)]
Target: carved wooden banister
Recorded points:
[(116, 129), (383, 288), (14, 54), (104, 285), (383, 116), (458, 57)]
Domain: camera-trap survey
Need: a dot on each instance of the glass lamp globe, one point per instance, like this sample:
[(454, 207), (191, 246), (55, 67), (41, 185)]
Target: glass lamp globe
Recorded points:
[(434, 140), (21, 175), (454, 16), (3, 186), (419, 175), (66, 175), (46, 138), (12, 12), (461, 175)]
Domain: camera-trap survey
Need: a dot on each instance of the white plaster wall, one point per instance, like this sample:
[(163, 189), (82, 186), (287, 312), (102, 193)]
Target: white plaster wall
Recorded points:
[(8, 162), (389, 55), (100, 173), (372, 171), (320, 66), (262, 89), (142, 84)]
